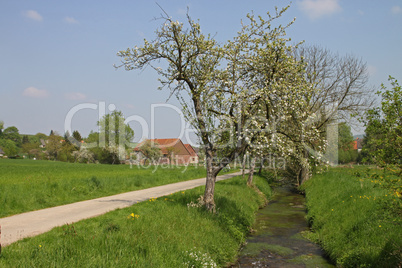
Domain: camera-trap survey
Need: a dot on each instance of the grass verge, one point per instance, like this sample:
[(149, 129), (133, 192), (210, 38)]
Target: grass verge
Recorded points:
[(27, 185), (356, 220), (171, 231)]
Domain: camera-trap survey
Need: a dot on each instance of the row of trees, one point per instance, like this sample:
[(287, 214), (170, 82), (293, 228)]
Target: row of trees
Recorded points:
[(255, 93), (109, 145), (13, 143)]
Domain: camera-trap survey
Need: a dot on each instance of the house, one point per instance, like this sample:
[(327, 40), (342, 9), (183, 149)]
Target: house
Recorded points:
[(194, 156), (357, 144), (42, 143), (1, 152), (174, 152)]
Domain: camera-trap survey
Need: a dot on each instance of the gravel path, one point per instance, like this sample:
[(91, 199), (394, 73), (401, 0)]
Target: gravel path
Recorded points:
[(32, 223)]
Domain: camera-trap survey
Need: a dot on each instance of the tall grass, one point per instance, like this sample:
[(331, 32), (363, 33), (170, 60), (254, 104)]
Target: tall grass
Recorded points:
[(27, 185), (356, 220), (172, 231)]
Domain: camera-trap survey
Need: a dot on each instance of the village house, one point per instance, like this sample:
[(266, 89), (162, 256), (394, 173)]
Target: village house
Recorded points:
[(174, 152), (357, 144), (42, 143), (1, 152)]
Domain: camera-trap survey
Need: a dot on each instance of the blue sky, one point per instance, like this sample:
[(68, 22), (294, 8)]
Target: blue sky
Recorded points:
[(55, 55)]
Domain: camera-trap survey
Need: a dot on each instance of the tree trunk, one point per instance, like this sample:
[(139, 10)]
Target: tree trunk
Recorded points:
[(298, 174), (210, 183), (243, 166), (304, 174), (261, 166), (251, 173)]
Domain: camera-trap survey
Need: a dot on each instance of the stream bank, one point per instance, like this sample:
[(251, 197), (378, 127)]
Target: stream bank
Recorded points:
[(276, 240)]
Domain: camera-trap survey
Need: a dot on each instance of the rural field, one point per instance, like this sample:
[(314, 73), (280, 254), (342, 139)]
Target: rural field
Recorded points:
[(27, 185)]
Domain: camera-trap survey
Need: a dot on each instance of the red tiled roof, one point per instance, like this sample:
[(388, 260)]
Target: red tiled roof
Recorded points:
[(357, 144), (191, 149), (178, 147)]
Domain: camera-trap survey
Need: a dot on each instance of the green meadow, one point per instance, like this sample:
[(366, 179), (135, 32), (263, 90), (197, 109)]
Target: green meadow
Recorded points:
[(27, 185), (356, 216), (170, 231)]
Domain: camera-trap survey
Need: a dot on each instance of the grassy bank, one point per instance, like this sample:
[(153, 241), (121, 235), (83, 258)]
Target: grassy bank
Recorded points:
[(27, 185), (356, 216), (172, 231)]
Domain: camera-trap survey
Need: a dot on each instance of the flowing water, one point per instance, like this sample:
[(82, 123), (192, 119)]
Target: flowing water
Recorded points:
[(276, 240)]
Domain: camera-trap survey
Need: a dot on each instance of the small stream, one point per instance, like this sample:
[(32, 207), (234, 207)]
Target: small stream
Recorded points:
[(276, 240)]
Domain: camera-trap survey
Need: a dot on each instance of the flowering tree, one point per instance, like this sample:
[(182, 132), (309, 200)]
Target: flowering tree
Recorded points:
[(339, 91), (232, 92), (83, 156)]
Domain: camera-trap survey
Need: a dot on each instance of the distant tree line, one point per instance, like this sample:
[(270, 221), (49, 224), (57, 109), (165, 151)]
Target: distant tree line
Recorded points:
[(108, 146), (13, 144)]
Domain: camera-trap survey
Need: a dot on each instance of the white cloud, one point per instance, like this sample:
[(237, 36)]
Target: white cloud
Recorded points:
[(319, 8), (70, 20), (33, 92), (33, 15), (396, 10), (75, 96)]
